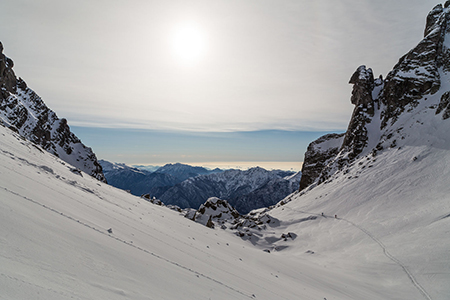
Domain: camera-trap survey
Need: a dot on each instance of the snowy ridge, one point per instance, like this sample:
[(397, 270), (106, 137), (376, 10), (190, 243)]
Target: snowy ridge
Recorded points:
[(22, 110)]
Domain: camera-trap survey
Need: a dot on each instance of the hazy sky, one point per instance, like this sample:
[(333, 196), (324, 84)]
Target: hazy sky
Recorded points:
[(205, 66)]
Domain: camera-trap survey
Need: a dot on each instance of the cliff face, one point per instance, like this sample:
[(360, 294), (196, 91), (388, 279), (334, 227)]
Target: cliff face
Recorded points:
[(23, 111), (417, 83), (317, 156)]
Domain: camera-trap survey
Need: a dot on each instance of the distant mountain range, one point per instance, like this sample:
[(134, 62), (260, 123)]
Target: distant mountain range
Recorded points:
[(182, 172), (140, 180), (245, 190), (188, 186)]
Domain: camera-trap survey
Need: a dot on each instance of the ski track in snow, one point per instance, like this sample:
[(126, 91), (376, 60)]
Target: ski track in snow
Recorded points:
[(198, 274), (94, 227), (23, 282), (411, 277)]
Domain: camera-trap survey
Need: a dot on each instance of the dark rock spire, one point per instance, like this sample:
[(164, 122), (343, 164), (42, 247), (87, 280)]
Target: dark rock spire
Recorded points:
[(7, 77)]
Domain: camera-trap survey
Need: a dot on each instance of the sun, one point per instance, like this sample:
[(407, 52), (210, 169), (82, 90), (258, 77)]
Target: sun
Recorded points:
[(188, 44)]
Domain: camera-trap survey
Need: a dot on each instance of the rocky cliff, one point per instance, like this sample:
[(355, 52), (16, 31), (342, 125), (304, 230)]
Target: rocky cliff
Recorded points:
[(23, 111), (317, 155), (418, 83)]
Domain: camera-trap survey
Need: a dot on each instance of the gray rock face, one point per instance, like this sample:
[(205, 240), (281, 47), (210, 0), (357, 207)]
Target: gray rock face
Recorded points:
[(317, 156), (417, 72), (379, 104), (23, 111), (363, 84), (7, 76), (356, 137)]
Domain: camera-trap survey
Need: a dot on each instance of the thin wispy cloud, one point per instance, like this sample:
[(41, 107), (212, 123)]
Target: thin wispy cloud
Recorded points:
[(205, 65)]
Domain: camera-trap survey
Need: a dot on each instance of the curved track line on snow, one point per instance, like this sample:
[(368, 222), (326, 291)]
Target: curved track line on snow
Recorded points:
[(411, 277), (392, 258), (198, 274)]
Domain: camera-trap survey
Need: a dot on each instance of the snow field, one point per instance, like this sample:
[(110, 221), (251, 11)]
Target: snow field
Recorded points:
[(55, 244)]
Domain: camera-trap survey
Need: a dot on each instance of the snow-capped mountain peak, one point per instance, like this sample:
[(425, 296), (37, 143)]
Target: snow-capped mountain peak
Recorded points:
[(22, 110)]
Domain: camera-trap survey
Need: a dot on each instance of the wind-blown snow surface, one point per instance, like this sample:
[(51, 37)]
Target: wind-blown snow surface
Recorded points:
[(54, 242)]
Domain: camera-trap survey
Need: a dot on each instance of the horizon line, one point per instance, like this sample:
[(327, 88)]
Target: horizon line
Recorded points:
[(239, 165)]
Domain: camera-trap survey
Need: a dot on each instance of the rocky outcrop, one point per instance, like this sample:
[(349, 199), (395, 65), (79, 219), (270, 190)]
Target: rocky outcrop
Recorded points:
[(214, 212), (317, 156), (356, 137), (8, 80), (363, 84), (418, 72), (217, 213), (380, 104), (23, 111)]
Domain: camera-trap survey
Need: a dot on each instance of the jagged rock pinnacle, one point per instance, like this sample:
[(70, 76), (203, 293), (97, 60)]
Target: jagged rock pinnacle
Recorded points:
[(379, 104), (363, 84), (7, 77)]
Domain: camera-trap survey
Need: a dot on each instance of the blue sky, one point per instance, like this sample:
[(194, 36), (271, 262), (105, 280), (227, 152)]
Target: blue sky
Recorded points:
[(237, 78), (135, 146)]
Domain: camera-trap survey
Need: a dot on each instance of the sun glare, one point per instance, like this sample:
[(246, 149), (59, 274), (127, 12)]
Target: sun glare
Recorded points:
[(188, 44)]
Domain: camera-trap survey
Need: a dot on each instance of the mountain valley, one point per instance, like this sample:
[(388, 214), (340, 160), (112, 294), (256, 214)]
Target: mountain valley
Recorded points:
[(367, 217)]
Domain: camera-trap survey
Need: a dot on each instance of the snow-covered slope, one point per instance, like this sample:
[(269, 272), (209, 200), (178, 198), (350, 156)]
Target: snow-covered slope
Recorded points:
[(55, 244), (22, 110), (393, 216), (374, 224), (383, 197), (378, 203)]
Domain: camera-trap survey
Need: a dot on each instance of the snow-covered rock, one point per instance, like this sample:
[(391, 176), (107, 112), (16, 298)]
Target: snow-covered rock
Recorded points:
[(22, 110), (215, 211)]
